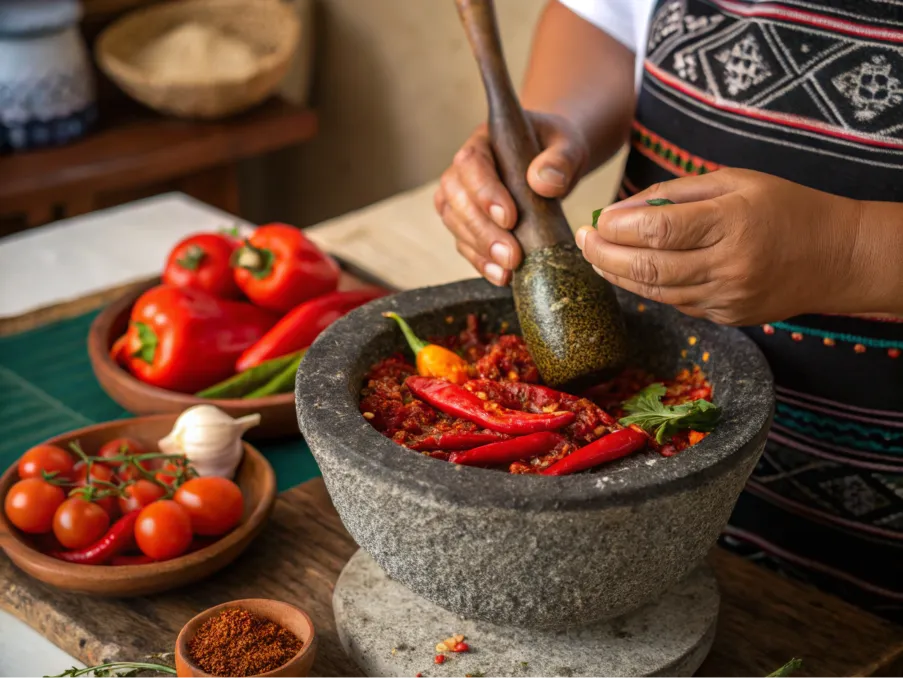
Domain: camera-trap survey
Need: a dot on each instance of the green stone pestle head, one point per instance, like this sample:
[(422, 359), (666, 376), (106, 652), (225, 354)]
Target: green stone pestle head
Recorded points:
[(570, 318)]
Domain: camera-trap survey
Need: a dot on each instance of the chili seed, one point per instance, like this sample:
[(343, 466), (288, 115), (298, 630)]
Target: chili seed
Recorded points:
[(369, 415), (439, 659), (692, 341), (705, 357)]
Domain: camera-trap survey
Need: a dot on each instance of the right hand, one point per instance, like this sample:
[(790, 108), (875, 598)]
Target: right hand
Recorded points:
[(479, 211)]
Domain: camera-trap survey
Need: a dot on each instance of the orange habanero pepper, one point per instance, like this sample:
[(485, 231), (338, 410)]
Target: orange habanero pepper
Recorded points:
[(433, 360)]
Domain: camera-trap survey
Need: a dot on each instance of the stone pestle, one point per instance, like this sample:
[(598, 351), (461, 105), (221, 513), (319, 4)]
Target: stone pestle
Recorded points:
[(569, 315)]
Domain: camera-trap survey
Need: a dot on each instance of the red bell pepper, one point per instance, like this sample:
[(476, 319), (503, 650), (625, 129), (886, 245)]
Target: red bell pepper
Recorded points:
[(204, 262), (279, 268), (508, 451), (185, 340), (298, 329), (457, 401), (607, 448)]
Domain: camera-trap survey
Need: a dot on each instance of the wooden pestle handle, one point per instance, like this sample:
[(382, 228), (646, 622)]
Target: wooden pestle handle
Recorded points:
[(541, 222)]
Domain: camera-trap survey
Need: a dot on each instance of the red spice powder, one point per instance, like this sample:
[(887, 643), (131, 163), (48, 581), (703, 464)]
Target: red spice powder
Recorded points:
[(237, 642)]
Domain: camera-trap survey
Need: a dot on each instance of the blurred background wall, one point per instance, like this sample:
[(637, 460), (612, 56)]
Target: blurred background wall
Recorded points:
[(397, 91)]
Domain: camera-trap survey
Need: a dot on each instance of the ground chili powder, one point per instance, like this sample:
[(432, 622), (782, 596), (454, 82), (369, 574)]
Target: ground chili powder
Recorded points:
[(237, 642)]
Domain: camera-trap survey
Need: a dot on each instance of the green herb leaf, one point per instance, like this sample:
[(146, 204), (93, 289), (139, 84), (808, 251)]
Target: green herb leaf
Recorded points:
[(192, 258), (149, 342), (646, 410), (658, 202), (787, 669), (596, 214), (117, 669)]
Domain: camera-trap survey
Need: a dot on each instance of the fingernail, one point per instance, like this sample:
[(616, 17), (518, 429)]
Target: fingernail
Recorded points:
[(599, 270), (552, 176), (580, 236), (497, 212), (494, 273), (501, 254)]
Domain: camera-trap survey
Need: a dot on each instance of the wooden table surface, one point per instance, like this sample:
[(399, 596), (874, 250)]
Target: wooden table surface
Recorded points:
[(764, 621)]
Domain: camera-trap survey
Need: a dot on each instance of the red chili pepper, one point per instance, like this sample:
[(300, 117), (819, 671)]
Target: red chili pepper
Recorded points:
[(608, 448), (456, 441), (185, 340), (132, 560), (459, 402), (279, 268), (508, 451), (118, 351), (299, 328), (204, 262), (117, 539)]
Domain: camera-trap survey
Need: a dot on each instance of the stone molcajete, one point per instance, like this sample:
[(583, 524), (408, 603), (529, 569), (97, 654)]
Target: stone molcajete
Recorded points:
[(531, 551)]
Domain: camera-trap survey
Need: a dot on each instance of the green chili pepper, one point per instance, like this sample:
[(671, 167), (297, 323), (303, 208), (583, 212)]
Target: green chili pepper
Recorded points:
[(284, 382), (244, 383)]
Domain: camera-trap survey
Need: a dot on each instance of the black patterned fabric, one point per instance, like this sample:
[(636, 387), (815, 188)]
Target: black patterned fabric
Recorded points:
[(811, 91)]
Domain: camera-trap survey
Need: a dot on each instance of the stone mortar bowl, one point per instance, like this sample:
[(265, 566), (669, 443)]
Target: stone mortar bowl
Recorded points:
[(531, 551)]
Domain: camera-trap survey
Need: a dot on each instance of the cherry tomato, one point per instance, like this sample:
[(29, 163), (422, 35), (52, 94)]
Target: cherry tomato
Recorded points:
[(98, 472), (120, 447), (170, 472), (49, 458), (78, 523), (140, 494), (31, 503), (214, 504), (163, 530)]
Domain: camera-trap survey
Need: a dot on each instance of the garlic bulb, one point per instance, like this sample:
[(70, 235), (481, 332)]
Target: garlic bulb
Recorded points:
[(210, 438)]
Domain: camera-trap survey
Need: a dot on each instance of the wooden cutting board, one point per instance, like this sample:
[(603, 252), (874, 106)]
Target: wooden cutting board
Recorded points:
[(764, 621)]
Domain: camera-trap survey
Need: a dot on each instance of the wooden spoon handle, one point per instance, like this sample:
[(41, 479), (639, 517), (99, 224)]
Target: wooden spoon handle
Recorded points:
[(541, 221)]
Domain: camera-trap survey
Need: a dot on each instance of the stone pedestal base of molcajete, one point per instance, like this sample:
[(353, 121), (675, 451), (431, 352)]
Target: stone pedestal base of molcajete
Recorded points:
[(375, 615)]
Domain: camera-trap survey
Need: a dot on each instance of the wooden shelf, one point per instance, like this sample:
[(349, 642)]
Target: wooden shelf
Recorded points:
[(139, 148)]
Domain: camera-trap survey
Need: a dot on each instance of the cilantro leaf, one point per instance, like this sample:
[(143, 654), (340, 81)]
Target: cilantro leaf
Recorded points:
[(658, 202), (646, 410), (596, 214)]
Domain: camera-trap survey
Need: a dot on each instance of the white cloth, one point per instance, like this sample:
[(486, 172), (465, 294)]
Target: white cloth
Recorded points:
[(627, 21)]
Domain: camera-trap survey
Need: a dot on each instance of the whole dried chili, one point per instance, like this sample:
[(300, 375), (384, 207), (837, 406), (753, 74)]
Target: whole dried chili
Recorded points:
[(507, 451), (608, 448), (237, 642), (459, 402)]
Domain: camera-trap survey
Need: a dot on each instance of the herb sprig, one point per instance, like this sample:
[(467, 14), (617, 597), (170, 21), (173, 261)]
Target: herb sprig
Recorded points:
[(646, 410), (655, 202)]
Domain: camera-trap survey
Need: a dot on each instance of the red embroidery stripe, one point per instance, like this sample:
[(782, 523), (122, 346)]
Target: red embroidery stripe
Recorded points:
[(778, 118), (799, 16)]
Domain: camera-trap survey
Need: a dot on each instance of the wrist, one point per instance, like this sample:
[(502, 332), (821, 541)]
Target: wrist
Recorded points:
[(875, 268)]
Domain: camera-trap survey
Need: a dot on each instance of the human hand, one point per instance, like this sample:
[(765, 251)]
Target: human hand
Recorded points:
[(479, 211), (738, 248)]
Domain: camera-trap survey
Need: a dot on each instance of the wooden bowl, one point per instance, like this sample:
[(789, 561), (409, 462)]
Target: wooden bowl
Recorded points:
[(277, 412), (288, 616), (255, 477), (271, 29)]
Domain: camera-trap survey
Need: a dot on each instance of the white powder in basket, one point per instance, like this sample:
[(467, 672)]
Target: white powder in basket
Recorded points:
[(195, 52)]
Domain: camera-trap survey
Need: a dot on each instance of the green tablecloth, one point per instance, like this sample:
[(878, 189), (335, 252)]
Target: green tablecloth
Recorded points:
[(47, 387)]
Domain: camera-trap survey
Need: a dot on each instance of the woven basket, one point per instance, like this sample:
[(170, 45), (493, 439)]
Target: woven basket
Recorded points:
[(269, 27)]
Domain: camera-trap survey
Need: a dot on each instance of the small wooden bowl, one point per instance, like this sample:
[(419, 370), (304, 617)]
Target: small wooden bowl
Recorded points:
[(277, 412), (289, 616), (255, 477)]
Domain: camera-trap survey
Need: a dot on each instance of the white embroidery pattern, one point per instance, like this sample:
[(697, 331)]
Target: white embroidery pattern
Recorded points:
[(686, 66), (669, 20), (744, 65), (871, 88)]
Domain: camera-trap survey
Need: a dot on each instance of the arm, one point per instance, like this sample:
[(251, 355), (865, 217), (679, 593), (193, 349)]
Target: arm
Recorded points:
[(579, 96), (876, 263), (583, 74)]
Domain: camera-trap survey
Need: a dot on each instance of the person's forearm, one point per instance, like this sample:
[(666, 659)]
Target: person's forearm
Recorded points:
[(583, 74), (877, 258)]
